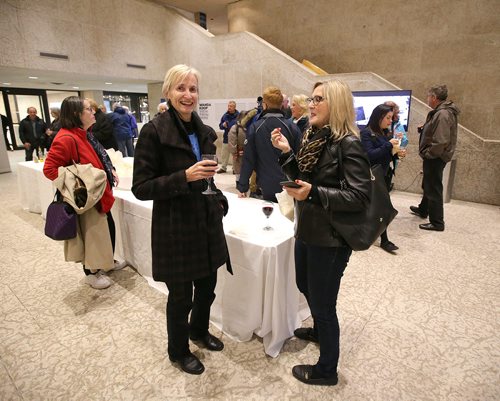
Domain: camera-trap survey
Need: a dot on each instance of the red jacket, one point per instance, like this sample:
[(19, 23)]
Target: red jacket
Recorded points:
[(63, 152)]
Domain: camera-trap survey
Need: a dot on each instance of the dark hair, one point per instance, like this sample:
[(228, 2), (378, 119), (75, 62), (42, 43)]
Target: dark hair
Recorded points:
[(71, 108), (440, 91), (378, 114)]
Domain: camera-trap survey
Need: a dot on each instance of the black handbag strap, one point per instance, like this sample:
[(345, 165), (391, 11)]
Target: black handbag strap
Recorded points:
[(341, 173), (76, 145)]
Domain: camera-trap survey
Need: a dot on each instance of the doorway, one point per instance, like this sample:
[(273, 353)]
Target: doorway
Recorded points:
[(15, 104)]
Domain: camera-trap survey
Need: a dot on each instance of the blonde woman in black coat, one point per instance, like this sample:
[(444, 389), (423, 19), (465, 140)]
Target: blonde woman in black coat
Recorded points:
[(188, 242), (321, 255)]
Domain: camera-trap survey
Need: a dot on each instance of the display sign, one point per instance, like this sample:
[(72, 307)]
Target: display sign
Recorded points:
[(366, 101), (212, 110)]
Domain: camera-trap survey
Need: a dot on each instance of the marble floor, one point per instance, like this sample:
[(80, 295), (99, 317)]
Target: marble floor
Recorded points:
[(419, 325)]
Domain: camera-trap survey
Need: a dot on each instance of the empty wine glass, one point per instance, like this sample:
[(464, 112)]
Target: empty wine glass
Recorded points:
[(209, 190), (267, 209)]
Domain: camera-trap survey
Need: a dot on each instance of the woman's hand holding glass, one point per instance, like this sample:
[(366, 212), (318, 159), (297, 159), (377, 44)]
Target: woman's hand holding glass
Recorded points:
[(279, 141), (202, 170)]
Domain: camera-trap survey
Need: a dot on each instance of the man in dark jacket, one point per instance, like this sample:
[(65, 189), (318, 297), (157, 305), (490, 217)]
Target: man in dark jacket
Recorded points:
[(31, 132), (226, 122), (259, 154), (438, 140)]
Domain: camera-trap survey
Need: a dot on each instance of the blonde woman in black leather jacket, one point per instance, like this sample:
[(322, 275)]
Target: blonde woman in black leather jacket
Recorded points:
[(321, 255)]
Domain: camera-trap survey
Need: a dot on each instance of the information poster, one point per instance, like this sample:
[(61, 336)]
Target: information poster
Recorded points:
[(212, 110)]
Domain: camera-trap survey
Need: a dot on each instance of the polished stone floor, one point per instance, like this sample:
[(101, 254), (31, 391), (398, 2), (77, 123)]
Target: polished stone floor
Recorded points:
[(419, 325)]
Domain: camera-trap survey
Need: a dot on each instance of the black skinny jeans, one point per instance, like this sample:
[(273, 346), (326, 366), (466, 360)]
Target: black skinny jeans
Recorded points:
[(180, 302), (318, 271)]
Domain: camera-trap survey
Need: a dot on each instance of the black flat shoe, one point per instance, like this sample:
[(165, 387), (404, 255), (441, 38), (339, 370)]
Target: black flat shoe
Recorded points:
[(416, 211), (306, 374), (209, 342), (431, 227), (388, 246), (306, 334), (189, 364)]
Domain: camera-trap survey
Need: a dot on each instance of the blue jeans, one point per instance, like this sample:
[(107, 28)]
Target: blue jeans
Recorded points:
[(318, 271)]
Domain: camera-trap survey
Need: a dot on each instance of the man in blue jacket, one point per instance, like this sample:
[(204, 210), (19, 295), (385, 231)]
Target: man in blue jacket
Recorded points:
[(259, 154), (226, 122), (122, 130)]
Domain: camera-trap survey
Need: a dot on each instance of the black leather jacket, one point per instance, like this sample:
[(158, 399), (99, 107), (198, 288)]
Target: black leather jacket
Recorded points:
[(314, 215)]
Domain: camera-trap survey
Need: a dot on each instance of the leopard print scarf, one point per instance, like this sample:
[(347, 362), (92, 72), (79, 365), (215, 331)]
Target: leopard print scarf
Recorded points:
[(312, 145)]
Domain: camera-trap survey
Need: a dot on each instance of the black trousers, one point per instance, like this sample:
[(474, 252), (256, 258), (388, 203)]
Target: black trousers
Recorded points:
[(112, 234), (388, 182), (432, 184), (180, 302), (29, 153), (318, 272)]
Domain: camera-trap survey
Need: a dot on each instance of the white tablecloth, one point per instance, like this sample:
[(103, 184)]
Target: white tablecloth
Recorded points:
[(260, 298), (35, 190)]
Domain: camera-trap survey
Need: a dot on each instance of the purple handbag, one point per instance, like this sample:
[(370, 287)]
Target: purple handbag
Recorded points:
[(60, 222)]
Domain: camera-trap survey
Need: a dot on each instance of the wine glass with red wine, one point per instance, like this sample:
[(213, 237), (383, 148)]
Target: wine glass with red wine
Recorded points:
[(209, 190), (267, 209)]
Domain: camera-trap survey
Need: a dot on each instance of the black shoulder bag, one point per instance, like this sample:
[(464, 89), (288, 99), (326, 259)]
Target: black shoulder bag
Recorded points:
[(361, 229)]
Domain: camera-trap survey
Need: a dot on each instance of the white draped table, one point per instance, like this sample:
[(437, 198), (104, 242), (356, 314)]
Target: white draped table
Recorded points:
[(35, 190), (260, 298)]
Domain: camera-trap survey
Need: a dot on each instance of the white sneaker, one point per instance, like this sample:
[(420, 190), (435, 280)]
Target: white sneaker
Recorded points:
[(119, 265), (99, 281)]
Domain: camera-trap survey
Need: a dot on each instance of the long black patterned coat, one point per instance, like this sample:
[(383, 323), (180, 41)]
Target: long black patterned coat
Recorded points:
[(187, 235)]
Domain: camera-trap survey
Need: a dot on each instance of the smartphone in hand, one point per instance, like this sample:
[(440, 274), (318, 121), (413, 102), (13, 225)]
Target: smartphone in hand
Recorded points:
[(290, 184)]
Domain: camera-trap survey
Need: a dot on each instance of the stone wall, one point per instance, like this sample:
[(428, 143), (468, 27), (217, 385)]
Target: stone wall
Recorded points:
[(237, 65), (413, 44)]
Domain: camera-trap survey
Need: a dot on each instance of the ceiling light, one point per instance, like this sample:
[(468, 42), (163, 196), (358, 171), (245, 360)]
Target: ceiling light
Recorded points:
[(76, 87), (33, 77), (108, 83), (5, 83), (125, 90)]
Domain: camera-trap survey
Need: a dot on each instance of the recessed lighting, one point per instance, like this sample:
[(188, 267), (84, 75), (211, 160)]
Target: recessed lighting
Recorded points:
[(108, 83), (33, 77), (5, 83), (76, 87), (125, 90)]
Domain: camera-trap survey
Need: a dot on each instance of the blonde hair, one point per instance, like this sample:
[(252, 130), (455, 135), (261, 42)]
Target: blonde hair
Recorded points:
[(176, 74), (273, 97), (92, 103), (340, 102), (301, 100)]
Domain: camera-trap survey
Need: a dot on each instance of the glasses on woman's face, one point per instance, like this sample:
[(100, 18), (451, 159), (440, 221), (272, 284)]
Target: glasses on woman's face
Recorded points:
[(315, 99), (89, 109)]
